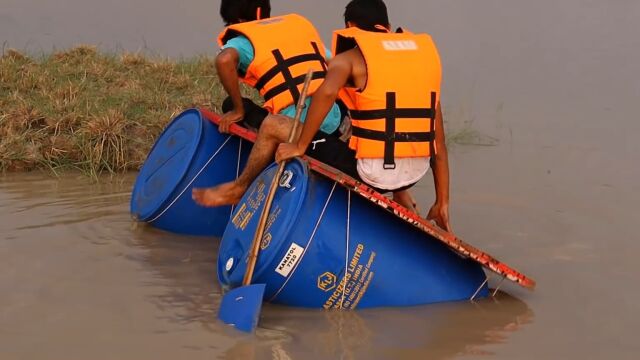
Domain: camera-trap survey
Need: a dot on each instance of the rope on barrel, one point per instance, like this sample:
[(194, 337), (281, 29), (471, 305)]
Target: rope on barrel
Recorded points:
[(346, 255), (486, 280), (495, 292), (233, 207), (313, 234), (192, 180)]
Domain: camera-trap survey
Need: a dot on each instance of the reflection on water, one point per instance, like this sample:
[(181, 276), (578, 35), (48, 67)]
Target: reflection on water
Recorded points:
[(184, 274), (75, 263), (435, 332)]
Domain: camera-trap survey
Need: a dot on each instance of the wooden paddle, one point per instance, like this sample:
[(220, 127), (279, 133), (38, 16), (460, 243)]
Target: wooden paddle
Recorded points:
[(241, 306)]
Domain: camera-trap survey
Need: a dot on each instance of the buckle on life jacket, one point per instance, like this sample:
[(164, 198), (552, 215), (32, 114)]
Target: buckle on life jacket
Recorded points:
[(283, 67), (390, 113)]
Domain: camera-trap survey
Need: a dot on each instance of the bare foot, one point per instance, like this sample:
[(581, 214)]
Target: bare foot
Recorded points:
[(226, 194)]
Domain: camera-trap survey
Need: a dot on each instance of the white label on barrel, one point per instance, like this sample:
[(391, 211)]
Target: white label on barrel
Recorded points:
[(229, 264), (290, 259)]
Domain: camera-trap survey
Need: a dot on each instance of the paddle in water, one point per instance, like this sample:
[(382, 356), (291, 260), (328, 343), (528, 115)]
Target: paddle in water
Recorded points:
[(241, 306)]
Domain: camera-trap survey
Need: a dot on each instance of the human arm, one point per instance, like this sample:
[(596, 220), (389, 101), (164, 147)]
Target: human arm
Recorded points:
[(226, 65), (322, 101), (439, 212)]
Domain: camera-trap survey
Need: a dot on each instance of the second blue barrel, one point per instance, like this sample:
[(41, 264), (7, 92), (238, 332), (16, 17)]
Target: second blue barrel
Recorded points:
[(327, 248), (189, 153)]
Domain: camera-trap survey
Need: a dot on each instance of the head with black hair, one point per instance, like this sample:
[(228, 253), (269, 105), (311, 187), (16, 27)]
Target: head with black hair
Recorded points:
[(369, 15), (238, 11)]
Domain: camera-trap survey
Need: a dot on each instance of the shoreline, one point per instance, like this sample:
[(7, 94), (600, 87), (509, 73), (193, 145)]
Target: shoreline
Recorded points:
[(94, 112), (81, 109)]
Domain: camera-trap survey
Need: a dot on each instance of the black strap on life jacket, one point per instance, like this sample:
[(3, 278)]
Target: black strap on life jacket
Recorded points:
[(283, 67), (390, 136)]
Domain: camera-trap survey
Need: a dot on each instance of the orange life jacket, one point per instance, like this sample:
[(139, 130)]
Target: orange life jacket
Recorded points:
[(394, 115), (285, 48)]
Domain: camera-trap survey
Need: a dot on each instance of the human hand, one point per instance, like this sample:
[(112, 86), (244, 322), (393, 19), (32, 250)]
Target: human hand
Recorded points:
[(229, 118), (287, 151), (439, 213)]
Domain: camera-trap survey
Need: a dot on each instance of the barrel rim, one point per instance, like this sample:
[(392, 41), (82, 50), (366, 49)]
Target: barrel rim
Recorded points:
[(147, 212), (286, 227), (266, 259)]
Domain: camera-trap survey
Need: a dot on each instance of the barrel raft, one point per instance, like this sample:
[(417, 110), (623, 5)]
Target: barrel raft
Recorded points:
[(191, 152), (327, 248)]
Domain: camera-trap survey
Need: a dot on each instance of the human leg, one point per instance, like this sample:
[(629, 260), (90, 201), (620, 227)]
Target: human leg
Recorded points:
[(273, 131), (404, 198)]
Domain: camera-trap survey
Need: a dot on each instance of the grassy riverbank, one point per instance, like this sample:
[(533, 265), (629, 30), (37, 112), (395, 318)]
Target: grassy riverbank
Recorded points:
[(95, 112)]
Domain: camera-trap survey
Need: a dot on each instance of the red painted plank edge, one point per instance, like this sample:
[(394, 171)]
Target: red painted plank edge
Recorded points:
[(455, 243)]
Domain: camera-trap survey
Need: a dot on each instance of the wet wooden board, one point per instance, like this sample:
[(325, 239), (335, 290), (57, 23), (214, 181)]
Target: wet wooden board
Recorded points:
[(453, 242)]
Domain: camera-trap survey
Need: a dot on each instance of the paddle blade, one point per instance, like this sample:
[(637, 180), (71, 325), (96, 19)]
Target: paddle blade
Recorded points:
[(241, 306)]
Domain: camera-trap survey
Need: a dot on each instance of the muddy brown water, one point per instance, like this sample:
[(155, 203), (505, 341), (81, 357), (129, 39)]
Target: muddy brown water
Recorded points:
[(553, 87)]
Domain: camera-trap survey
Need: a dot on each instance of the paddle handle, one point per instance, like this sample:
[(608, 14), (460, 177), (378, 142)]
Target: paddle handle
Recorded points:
[(257, 239)]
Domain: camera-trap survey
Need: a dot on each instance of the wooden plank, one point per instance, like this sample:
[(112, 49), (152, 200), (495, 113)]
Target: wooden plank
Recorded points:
[(456, 244)]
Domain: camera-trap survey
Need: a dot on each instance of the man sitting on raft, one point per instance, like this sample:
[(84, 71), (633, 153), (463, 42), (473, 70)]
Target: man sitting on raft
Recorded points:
[(271, 54), (391, 84)]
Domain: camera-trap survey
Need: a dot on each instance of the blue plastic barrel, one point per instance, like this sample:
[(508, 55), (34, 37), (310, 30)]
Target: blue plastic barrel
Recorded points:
[(189, 153), (325, 247)]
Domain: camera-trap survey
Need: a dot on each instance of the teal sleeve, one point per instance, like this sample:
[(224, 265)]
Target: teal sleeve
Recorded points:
[(245, 51)]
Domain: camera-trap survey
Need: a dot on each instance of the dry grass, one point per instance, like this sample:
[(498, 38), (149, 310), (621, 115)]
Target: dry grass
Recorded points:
[(95, 112), (81, 109)]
